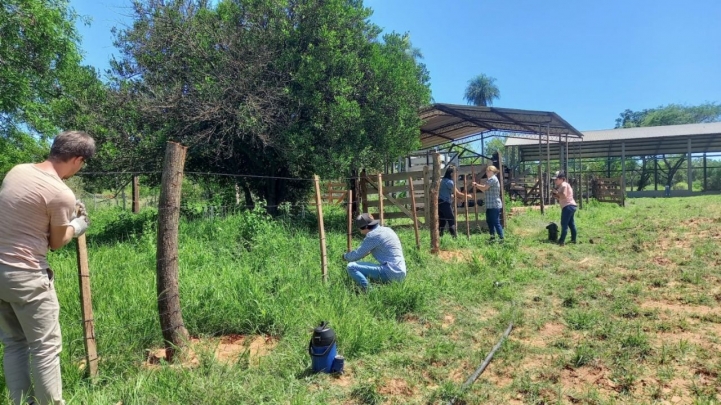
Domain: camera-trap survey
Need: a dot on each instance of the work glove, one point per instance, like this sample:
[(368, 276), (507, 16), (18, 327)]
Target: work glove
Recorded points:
[(80, 209), (80, 224)]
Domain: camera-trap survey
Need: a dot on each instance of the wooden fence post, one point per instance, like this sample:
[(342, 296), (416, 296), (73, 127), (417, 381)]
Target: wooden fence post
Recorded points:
[(350, 220), (86, 305), (433, 197), (321, 229), (380, 199), (136, 194), (171, 317), (364, 192), (413, 209)]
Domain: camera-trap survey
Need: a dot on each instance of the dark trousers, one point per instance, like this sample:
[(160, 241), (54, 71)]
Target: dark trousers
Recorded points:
[(445, 216), (567, 221), (493, 217)]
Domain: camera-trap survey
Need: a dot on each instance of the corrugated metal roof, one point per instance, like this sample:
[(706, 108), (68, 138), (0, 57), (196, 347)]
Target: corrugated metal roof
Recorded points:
[(451, 122), (669, 139)]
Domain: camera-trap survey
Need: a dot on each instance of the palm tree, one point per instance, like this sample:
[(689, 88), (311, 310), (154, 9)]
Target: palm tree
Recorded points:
[(482, 90)]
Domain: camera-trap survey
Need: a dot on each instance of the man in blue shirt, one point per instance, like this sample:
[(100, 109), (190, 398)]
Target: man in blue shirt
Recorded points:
[(384, 245)]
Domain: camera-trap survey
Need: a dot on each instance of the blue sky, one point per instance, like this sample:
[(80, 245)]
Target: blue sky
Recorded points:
[(585, 60)]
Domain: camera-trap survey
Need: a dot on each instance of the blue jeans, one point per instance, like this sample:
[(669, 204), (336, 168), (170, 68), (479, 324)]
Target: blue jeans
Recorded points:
[(361, 272), (493, 217), (567, 214)]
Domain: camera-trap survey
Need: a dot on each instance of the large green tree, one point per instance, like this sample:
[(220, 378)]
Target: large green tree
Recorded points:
[(39, 64), (263, 88), (482, 91), (672, 114)]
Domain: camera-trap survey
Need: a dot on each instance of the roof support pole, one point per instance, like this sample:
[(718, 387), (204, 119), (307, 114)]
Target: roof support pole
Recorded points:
[(580, 175), (623, 167), (548, 159), (561, 156), (655, 173), (483, 151), (541, 188), (689, 174), (705, 177), (565, 163)]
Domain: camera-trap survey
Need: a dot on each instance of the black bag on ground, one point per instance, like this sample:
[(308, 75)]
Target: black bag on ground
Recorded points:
[(552, 232)]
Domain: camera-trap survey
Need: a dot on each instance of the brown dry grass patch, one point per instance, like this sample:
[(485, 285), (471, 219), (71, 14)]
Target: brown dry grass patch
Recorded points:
[(226, 349)]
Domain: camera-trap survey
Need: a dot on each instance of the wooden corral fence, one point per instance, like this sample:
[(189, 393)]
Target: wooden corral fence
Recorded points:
[(525, 189), (608, 190), (395, 202), (332, 192)]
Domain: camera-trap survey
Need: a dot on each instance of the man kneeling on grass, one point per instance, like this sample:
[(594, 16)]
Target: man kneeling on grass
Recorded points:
[(385, 247)]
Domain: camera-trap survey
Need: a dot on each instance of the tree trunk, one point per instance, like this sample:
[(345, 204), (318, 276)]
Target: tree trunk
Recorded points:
[(249, 203), (645, 176), (276, 193), (171, 317), (671, 169)]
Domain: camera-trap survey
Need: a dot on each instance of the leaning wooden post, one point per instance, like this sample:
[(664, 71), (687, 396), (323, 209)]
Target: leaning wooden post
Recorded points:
[(136, 194), (433, 197), (350, 219), (86, 305), (321, 229), (413, 210), (380, 199), (503, 189), (171, 317)]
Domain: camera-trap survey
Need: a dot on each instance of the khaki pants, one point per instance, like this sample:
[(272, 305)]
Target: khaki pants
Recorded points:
[(30, 334)]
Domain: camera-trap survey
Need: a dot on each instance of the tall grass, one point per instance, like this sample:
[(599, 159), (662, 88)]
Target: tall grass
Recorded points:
[(251, 274)]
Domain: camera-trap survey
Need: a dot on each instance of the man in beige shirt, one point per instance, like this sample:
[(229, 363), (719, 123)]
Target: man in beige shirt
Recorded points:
[(37, 212)]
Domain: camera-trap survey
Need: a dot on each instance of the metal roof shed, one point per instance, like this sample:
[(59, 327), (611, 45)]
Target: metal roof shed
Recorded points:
[(444, 123), (461, 124), (670, 139), (644, 141)]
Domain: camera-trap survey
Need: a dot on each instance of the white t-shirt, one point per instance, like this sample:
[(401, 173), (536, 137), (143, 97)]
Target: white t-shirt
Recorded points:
[(31, 200)]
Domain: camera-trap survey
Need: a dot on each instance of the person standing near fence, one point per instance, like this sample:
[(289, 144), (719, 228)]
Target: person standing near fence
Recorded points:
[(493, 203), (381, 242), (564, 194), (38, 212), (446, 196)]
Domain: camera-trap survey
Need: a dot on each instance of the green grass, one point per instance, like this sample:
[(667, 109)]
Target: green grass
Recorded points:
[(595, 322)]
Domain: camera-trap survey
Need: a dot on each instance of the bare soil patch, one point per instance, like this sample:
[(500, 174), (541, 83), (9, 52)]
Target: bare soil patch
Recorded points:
[(575, 379), (226, 349), (396, 387), (521, 210), (454, 256), (677, 309), (547, 334)]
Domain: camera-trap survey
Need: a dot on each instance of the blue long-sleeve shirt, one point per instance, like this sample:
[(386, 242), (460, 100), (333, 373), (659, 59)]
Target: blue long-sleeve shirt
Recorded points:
[(384, 245), (446, 191)]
